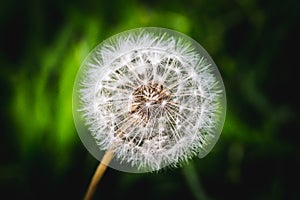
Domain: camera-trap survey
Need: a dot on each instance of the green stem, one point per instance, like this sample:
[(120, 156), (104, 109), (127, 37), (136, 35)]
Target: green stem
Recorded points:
[(194, 182)]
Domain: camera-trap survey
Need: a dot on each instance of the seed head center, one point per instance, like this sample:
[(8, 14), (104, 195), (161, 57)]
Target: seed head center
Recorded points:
[(149, 99)]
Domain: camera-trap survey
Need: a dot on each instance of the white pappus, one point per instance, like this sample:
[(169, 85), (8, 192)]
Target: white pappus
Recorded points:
[(152, 95)]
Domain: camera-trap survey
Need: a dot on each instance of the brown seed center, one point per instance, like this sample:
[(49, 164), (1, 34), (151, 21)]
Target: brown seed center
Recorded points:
[(148, 100)]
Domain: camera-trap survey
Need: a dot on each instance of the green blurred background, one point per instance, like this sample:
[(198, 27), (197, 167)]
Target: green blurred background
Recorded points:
[(255, 45)]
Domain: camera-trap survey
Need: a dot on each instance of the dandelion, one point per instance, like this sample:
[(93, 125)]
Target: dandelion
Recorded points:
[(152, 97)]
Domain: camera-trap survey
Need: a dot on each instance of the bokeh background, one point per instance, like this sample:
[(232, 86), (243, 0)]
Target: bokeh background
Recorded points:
[(254, 43)]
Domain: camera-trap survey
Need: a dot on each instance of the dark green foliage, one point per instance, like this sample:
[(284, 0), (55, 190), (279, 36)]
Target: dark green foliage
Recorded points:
[(254, 44)]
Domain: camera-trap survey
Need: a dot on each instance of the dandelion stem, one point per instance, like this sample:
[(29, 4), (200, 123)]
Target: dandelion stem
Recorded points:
[(98, 174)]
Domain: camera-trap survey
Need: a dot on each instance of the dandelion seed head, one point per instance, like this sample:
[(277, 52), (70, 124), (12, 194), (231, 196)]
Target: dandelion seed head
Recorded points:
[(153, 95)]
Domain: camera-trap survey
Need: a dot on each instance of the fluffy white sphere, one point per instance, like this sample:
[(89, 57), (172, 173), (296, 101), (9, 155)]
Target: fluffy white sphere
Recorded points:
[(152, 95)]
